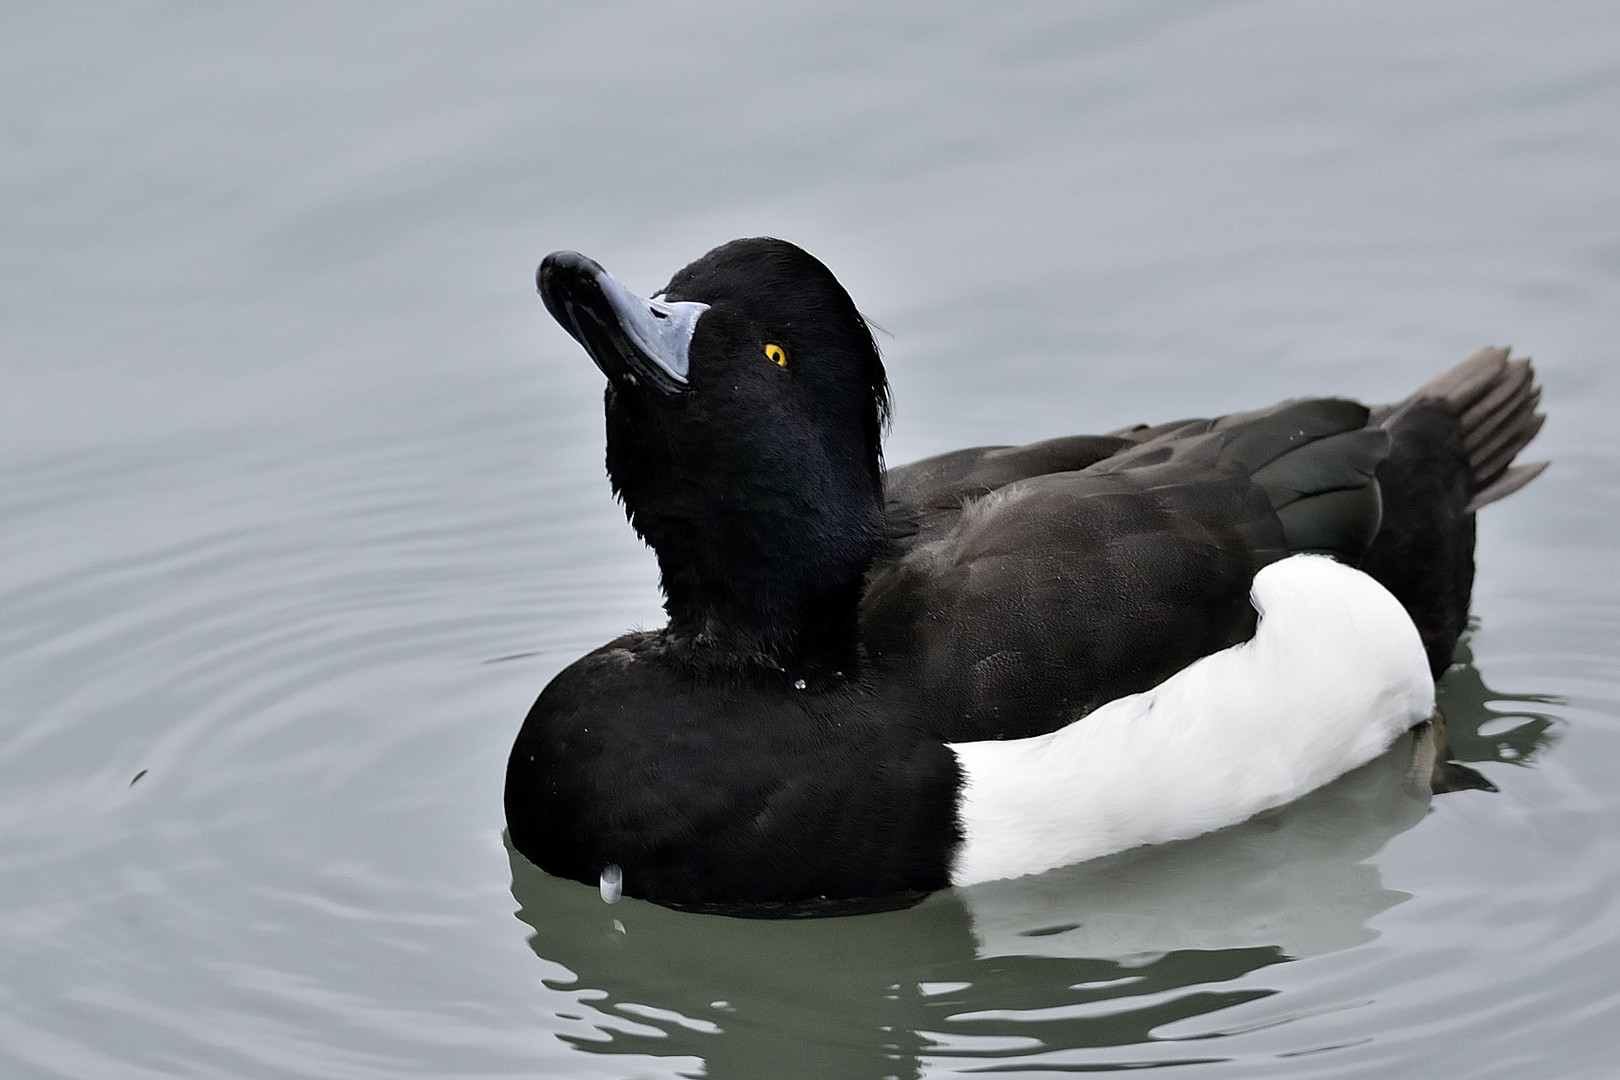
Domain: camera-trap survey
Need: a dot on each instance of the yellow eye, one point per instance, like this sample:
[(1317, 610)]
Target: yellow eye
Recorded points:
[(774, 353)]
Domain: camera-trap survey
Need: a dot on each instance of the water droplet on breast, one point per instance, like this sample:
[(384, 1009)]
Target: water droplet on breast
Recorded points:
[(612, 883), (798, 684)]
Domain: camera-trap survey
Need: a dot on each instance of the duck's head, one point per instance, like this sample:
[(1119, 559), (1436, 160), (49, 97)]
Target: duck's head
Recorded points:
[(745, 407)]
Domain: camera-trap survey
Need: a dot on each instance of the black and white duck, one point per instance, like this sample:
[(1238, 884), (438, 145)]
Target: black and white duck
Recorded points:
[(879, 682)]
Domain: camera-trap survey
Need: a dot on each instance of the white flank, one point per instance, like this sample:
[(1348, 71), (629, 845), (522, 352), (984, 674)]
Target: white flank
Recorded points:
[(1333, 675)]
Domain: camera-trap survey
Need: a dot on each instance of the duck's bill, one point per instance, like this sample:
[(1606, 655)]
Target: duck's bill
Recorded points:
[(635, 341)]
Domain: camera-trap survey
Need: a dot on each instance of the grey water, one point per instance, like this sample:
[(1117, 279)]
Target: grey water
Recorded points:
[(302, 502)]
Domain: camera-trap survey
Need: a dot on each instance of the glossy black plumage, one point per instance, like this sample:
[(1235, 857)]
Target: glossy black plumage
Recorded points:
[(726, 785), (1067, 589), (832, 626)]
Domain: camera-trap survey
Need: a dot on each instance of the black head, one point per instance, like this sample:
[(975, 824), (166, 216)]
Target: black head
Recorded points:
[(745, 408)]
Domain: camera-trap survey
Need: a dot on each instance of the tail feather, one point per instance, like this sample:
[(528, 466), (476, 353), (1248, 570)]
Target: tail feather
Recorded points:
[(1495, 399), (1511, 480), (1516, 376), (1496, 455), (1452, 446), (1513, 395), (1464, 384)]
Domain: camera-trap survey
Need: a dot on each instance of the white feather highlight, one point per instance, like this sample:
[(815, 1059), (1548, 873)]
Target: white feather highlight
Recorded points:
[(1335, 672)]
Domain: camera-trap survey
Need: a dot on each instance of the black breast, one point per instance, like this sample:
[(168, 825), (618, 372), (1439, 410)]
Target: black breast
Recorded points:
[(704, 785)]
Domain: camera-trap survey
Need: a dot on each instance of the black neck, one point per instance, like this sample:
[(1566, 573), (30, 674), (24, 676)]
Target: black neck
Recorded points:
[(758, 614)]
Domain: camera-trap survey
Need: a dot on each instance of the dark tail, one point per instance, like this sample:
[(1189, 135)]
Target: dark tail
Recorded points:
[(1452, 446), (1496, 399)]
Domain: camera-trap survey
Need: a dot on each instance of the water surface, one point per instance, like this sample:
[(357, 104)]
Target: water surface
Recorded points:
[(303, 503)]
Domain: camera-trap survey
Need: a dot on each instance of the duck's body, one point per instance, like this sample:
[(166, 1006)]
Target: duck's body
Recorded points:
[(990, 662)]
